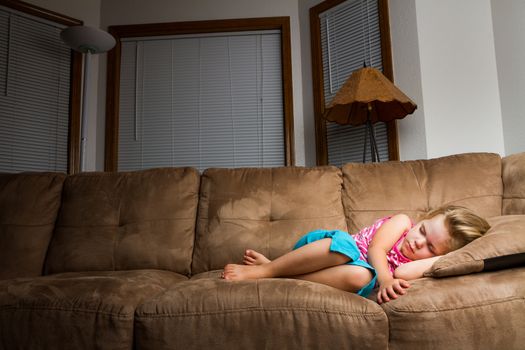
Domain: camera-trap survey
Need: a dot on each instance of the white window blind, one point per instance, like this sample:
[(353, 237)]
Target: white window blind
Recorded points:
[(34, 94), (201, 101), (350, 38)]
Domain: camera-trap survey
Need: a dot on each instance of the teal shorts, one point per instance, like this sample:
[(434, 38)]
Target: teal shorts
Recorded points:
[(343, 243)]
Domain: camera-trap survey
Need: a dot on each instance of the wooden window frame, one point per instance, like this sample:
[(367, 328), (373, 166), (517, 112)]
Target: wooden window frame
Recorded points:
[(75, 88), (195, 27), (317, 77)]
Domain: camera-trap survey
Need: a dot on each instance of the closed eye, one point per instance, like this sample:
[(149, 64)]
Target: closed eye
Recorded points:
[(429, 245)]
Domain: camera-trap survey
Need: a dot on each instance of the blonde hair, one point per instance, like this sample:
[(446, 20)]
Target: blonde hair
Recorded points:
[(463, 224)]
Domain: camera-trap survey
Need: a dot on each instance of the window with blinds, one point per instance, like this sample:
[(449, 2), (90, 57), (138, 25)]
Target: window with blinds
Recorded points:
[(34, 94), (206, 100), (350, 39)]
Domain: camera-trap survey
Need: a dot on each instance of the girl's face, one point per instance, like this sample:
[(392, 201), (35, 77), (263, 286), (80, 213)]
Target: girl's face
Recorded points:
[(428, 238)]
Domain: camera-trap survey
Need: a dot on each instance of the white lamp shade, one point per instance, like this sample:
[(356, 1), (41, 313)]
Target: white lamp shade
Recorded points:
[(87, 39)]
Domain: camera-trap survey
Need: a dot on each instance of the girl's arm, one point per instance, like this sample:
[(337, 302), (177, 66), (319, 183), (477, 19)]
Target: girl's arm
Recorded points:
[(384, 239), (415, 269)]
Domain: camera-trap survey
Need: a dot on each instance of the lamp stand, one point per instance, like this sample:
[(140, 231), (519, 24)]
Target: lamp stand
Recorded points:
[(88, 41), (370, 134), (85, 107)]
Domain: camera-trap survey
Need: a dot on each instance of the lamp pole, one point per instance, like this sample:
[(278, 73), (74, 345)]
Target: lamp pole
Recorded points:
[(88, 41), (85, 110)]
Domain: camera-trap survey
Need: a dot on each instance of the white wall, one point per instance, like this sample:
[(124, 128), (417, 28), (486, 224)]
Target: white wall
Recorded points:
[(308, 95), (444, 55), (89, 13), (444, 58), (459, 77), (407, 77), (509, 37)]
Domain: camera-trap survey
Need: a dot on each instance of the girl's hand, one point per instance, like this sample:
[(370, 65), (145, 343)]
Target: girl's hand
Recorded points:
[(391, 289)]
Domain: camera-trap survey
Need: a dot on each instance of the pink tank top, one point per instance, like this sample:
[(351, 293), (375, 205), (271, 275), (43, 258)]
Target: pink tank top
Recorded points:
[(363, 238)]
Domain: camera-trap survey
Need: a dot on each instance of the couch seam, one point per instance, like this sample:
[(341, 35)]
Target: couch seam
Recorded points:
[(259, 303), (269, 236), (270, 220), (128, 223), (480, 196), (419, 185), (456, 308), (175, 219), (28, 225), (15, 308), (457, 200), (261, 309)]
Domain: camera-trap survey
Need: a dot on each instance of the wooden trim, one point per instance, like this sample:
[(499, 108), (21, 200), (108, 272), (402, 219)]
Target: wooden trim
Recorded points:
[(40, 12), (75, 88), (286, 59), (318, 83), (386, 47), (388, 71), (112, 105), (195, 27), (325, 5)]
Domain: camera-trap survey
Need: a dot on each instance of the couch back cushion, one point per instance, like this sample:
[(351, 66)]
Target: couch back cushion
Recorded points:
[(263, 209), (514, 184), (29, 204), (371, 191), (124, 221)]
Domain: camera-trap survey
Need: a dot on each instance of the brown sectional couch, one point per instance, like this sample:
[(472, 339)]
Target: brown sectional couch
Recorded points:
[(132, 260)]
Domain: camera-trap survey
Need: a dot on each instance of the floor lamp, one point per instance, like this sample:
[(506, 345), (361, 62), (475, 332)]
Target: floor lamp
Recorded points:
[(366, 98), (88, 41)]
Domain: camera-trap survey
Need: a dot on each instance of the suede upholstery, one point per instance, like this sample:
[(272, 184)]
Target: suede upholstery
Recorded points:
[(140, 220), (28, 210), (269, 313), (505, 237), (472, 312), (76, 310), (264, 209), (416, 187), (133, 260), (514, 189)]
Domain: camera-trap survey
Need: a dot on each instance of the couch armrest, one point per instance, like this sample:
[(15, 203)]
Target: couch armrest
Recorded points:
[(513, 173)]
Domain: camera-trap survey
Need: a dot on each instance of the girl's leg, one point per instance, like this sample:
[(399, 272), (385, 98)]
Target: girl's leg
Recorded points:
[(350, 278), (311, 257)]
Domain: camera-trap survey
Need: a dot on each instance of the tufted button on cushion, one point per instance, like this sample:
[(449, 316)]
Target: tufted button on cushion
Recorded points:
[(263, 209), (29, 204), (371, 191), (124, 221)]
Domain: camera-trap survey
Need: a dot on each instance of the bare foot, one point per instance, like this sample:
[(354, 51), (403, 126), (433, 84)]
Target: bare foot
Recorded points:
[(251, 257), (236, 272)]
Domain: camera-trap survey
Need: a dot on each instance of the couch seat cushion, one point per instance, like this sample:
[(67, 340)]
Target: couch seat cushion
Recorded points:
[(88, 310), (479, 311), (210, 313)]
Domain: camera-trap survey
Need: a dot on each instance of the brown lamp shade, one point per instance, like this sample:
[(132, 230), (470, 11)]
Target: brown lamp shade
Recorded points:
[(368, 86)]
